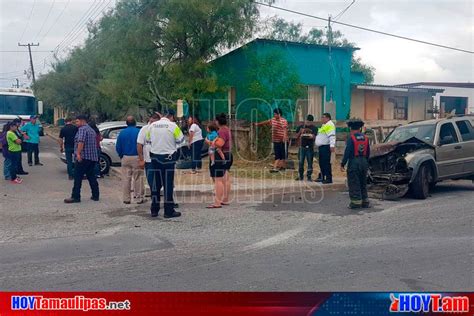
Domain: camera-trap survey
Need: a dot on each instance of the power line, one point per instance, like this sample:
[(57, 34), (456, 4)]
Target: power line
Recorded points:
[(57, 19), (46, 19), (367, 29), (92, 18), (78, 24), (31, 58), (28, 21), (343, 11), (22, 51)]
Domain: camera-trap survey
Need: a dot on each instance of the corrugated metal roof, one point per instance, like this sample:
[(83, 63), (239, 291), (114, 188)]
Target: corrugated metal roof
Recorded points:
[(442, 84), (401, 88)]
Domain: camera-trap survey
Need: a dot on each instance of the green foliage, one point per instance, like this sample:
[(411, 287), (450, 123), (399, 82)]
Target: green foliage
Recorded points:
[(283, 30), (145, 54), (271, 82)]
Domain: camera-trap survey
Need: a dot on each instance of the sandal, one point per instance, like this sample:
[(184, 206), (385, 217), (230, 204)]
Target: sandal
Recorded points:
[(213, 206)]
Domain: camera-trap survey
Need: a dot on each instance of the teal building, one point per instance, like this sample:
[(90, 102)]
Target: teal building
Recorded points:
[(299, 78)]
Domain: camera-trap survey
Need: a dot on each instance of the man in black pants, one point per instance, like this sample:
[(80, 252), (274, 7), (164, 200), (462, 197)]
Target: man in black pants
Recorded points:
[(326, 142), (165, 137), (86, 156)]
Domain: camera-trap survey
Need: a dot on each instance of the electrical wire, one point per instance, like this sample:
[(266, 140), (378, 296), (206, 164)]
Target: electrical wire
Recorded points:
[(367, 29), (92, 19), (27, 21), (343, 11), (78, 24), (46, 19), (56, 21)]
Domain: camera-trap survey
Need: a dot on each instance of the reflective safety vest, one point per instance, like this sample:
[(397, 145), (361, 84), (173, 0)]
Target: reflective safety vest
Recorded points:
[(361, 144)]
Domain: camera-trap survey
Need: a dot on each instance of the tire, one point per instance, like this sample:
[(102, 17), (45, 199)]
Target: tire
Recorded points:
[(105, 164), (420, 187)]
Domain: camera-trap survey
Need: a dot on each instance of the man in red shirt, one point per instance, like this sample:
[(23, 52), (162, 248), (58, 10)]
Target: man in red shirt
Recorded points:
[(279, 138)]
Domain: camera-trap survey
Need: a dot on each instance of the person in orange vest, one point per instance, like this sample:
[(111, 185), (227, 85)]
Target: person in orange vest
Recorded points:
[(356, 155)]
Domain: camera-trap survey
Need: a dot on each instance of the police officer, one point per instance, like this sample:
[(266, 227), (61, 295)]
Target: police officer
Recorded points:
[(356, 155), (166, 137)]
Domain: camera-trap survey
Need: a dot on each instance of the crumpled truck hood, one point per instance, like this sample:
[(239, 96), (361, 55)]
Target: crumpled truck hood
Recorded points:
[(406, 146)]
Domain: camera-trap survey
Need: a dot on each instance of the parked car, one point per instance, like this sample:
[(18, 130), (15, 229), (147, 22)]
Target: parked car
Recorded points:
[(416, 156), (109, 156)]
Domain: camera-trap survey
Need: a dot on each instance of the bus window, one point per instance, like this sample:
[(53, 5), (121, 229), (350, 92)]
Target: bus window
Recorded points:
[(18, 105)]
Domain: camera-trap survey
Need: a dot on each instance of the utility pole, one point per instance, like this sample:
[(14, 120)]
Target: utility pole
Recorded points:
[(31, 58)]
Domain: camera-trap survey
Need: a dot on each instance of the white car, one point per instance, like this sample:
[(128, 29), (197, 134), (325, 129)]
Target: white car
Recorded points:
[(109, 156)]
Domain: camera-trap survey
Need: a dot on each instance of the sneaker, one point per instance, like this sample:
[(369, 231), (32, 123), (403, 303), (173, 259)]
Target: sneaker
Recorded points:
[(16, 181), (24, 173), (71, 200), (274, 170), (353, 206), (171, 215), (298, 179), (366, 205), (94, 198), (30, 164), (39, 164), (327, 181)]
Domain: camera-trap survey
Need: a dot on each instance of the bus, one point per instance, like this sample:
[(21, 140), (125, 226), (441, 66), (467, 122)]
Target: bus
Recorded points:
[(19, 103)]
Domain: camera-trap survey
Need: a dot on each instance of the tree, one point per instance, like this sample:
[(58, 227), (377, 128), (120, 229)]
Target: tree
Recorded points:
[(283, 30), (145, 54)]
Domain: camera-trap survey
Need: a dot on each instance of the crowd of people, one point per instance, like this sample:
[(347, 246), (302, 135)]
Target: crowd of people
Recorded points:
[(14, 138), (152, 152)]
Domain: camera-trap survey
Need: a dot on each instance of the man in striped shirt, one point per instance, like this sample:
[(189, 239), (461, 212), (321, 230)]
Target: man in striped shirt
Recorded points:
[(279, 138)]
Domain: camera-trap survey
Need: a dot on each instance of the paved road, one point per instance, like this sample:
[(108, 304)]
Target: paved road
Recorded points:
[(285, 242)]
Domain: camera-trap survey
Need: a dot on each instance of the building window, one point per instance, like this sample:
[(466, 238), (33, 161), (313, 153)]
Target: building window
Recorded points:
[(400, 108)]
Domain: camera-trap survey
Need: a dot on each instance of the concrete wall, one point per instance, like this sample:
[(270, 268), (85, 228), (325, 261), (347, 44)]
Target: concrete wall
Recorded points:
[(417, 103), (358, 103)]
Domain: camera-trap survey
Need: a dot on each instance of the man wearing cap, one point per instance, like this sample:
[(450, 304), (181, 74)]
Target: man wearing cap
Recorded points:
[(32, 129), (356, 154), (166, 137)]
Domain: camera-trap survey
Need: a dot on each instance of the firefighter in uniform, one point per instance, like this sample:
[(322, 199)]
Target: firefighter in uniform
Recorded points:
[(166, 137), (356, 155)]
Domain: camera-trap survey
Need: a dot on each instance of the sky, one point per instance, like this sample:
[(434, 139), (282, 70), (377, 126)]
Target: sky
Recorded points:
[(448, 22)]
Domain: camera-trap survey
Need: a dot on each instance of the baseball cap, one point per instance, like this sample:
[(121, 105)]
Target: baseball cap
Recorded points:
[(171, 112)]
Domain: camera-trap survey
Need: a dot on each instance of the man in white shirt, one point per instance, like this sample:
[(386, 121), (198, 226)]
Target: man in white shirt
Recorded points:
[(326, 142), (166, 137), (144, 147)]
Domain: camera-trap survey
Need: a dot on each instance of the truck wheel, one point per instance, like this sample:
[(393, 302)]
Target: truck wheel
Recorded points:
[(420, 187)]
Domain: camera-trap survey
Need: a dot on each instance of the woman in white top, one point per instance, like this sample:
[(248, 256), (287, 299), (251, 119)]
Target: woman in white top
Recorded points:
[(195, 142)]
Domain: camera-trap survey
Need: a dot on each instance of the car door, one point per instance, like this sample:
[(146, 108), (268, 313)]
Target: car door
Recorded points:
[(448, 152), (109, 141), (466, 131)]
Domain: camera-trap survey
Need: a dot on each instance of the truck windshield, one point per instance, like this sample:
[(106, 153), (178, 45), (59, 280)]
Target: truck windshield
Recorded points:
[(423, 132), (17, 105)]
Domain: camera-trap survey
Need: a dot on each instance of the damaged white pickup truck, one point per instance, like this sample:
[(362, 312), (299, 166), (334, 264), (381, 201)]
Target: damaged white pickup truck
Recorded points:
[(416, 156)]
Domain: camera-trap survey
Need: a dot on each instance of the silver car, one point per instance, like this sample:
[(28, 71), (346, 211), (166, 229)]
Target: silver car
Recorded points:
[(109, 156)]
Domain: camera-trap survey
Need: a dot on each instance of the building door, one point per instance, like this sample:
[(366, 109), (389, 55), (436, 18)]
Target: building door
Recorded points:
[(373, 105), (315, 100)]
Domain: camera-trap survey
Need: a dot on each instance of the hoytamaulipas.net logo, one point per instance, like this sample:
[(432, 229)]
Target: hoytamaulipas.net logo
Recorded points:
[(76, 303), (434, 303)]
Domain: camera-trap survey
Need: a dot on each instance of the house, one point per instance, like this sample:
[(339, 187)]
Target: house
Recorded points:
[(259, 76), (384, 105), (457, 96)]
